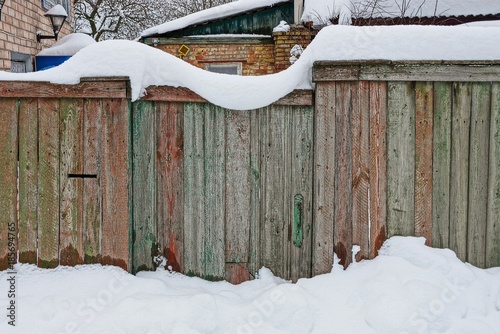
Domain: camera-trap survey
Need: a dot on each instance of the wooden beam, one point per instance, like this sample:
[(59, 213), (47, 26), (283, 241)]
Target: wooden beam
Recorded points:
[(383, 70), (88, 88), (300, 97)]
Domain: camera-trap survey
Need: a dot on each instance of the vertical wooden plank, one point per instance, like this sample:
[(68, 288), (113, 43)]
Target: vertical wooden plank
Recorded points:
[(28, 180), (274, 223), (378, 166), (493, 223), (478, 173), (237, 273), (144, 185), (92, 211), (301, 136), (256, 136), (441, 165), (214, 201), (48, 183), (237, 192), (8, 177), (71, 189), (114, 182), (343, 171), (324, 164), (194, 188), (424, 106), (459, 181), (170, 160), (401, 159), (360, 168)]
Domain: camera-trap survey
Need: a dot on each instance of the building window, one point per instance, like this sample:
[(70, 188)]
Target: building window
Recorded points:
[(48, 4), (225, 68), (20, 63)]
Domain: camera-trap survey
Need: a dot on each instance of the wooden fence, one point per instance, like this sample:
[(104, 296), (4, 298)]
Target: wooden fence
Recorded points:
[(383, 149), (415, 147)]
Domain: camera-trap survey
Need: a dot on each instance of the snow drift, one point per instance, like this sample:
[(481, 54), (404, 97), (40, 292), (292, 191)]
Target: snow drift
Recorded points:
[(147, 66)]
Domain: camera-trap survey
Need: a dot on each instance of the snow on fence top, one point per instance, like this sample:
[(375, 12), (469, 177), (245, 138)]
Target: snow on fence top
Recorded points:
[(321, 11), (147, 66), (218, 12)]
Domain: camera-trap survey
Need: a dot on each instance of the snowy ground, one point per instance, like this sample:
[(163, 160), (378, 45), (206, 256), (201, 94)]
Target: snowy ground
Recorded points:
[(409, 288)]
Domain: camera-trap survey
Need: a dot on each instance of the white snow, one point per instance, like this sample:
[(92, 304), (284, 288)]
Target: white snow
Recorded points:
[(57, 10), (282, 27), (68, 45), (482, 24), (147, 66), (408, 288), (218, 12), (320, 11)]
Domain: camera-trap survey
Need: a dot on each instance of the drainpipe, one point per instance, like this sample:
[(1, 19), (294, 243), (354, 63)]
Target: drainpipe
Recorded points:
[(298, 8)]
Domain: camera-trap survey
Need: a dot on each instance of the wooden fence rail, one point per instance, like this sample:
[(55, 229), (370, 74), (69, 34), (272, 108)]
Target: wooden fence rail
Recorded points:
[(383, 149)]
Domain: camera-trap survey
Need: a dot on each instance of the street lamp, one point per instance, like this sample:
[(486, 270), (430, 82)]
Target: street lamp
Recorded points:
[(57, 16)]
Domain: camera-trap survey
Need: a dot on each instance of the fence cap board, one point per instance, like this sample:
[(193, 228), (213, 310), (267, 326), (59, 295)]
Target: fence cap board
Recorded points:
[(299, 97), (407, 70), (106, 87)]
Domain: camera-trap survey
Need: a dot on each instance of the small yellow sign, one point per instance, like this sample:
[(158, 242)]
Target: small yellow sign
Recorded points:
[(183, 51)]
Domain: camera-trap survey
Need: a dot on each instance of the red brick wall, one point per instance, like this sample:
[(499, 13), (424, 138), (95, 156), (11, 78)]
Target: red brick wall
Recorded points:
[(20, 20), (256, 59), (284, 42)]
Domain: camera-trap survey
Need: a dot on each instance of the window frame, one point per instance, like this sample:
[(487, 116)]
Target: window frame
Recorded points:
[(239, 67)]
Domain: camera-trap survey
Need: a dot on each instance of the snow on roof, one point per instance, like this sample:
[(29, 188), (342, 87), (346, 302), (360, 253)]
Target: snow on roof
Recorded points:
[(320, 11), (483, 24), (68, 45), (218, 12), (147, 66)]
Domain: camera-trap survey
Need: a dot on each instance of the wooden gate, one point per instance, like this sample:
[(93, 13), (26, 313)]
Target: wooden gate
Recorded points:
[(64, 176)]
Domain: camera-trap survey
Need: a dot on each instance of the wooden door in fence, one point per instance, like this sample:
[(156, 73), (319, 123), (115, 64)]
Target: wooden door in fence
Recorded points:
[(221, 193), (64, 180)]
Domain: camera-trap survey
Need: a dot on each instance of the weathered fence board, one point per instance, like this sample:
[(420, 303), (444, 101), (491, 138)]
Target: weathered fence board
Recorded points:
[(360, 123), (493, 223), (441, 161), (8, 178), (478, 176), (71, 188), (324, 178), (194, 189), (28, 180), (459, 179), (213, 251), (92, 218), (424, 105), (237, 194), (301, 195), (400, 158), (144, 185), (48, 183), (378, 165), (170, 160), (115, 178), (343, 171), (255, 178)]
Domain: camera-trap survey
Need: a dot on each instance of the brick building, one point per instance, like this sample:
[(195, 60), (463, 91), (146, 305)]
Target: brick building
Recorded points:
[(234, 40), (19, 22)]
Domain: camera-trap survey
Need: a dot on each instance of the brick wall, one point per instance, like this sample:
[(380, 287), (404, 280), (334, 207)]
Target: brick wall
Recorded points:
[(256, 58), (20, 20), (284, 41)]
